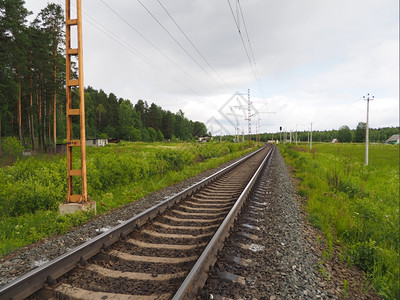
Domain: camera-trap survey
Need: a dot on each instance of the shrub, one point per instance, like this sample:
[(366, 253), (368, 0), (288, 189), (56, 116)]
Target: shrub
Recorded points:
[(12, 146)]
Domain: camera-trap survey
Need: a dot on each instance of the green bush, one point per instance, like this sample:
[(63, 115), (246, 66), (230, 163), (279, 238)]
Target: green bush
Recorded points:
[(363, 254), (12, 146)]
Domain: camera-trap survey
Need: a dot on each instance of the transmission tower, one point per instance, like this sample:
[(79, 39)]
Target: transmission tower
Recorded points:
[(77, 112)]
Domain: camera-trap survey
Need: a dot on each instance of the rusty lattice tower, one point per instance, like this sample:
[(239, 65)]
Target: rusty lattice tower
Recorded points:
[(75, 25)]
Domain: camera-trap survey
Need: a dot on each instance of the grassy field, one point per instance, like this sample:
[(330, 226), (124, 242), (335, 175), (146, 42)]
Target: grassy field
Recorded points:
[(32, 188), (356, 206)]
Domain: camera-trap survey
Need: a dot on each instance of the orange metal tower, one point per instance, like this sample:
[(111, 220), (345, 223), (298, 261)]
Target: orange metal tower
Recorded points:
[(77, 111)]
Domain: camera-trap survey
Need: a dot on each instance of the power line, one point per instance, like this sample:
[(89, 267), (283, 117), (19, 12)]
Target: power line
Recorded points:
[(350, 105), (240, 33), (251, 50), (249, 57), (132, 50), (197, 50), (152, 44), (176, 41)]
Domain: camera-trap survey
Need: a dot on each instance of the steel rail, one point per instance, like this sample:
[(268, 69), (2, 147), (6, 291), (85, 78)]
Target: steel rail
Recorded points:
[(199, 273), (36, 279)]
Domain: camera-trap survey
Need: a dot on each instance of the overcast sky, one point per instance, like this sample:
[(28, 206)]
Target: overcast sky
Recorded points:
[(314, 59)]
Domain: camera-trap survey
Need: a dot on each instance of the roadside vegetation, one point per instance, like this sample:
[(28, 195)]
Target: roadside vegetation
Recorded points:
[(356, 206), (32, 188)]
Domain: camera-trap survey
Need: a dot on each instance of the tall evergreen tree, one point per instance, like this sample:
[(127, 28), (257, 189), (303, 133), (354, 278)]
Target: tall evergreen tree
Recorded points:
[(13, 53), (51, 20)]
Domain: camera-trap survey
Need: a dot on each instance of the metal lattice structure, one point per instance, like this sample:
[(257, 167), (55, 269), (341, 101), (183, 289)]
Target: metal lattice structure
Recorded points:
[(70, 110)]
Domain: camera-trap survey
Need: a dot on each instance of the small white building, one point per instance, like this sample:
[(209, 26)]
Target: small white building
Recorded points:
[(96, 142), (335, 141)]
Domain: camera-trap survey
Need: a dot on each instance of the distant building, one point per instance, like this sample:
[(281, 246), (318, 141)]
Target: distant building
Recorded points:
[(96, 142), (335, 141), (205, 138), (393, 140)]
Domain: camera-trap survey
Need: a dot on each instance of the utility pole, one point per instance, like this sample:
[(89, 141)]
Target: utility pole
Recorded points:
[(367, 128), (249, 113), (311, 137), (280, 135), (296, 134), (74, 111), (75, 201)]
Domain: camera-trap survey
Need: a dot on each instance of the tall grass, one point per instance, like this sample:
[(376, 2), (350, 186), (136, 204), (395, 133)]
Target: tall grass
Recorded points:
[(355, 205), (31, 189)]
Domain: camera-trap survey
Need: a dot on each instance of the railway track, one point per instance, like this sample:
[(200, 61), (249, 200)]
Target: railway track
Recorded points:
[(163, 253)]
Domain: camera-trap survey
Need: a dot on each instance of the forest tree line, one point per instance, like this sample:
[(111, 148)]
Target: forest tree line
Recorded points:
[(108, 116), (344, 135), (32, 89)]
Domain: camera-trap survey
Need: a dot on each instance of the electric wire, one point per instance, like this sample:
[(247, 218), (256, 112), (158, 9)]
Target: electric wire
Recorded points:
[(176, 41), (252, 65), (193, 45), (240, 33), (132, 50), (251, 50), (152, 44)]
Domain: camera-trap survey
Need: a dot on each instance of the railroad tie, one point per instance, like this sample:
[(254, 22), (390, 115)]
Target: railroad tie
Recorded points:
[(175, 236), (165, 246), (75, 293), (133, 275), (151, 259)]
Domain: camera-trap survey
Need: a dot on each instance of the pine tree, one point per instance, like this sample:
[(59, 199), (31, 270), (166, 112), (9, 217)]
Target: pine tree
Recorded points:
[(51, 20)]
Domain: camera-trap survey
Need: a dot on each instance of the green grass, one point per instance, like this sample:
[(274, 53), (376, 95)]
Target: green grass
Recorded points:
[(32, 188), (18, 232), (356, 206)]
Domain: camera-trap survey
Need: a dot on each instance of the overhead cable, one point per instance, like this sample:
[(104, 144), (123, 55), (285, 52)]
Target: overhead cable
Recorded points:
[(251, 49), (152, 44), (249, 57), (176, 41), (132, 50), (193, 45)]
